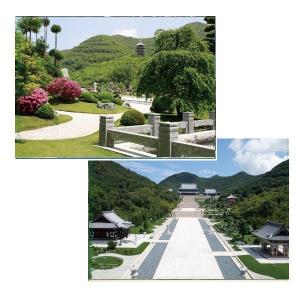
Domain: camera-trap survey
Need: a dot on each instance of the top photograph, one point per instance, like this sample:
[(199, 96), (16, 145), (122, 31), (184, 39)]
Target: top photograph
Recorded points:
[(115, 87)]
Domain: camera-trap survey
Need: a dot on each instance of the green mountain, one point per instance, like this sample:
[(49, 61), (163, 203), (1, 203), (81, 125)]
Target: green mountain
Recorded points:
[(132, 196), (103, 48), (220, 183)]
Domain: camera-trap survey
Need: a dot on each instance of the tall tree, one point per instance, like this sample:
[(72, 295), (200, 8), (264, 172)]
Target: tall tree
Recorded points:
[(57, 56), (46, 22), (210, 30), (23, 24), (36, 26), (55, 29), (182, 72)]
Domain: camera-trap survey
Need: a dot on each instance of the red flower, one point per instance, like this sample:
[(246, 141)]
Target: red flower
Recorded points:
[(64, 88), (29, 104)]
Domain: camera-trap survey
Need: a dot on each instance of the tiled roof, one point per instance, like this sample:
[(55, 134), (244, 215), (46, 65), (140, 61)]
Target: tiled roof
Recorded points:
[(189, 186)]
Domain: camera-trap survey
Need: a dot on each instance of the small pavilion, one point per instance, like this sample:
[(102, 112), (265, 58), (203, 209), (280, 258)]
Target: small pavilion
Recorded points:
[(231, 199), (109, 226), (188, 189), (274, 238)]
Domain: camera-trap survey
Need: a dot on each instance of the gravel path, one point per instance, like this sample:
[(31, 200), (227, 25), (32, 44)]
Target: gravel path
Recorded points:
[(149, 265), (211, 238), (228, 267), (82, 124)]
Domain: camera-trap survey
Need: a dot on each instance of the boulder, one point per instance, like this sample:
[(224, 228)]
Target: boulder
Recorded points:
[(110, 106)]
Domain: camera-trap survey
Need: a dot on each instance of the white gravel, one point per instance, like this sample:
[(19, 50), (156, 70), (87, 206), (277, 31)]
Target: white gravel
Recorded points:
[(188, 254)]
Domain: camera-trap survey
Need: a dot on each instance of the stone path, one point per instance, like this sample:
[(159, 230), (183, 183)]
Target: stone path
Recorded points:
[(228, 267), (82, 124)]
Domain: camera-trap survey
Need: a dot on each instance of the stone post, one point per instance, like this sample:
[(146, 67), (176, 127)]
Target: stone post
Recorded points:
[(106, 122), (167, 132), (188, 117), (212, 116), (154, 119)]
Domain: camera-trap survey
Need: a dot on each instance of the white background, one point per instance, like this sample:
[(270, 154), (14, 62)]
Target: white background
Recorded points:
[(43, 215)]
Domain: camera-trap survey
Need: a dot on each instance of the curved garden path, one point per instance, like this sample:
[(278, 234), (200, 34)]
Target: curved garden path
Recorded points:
[(82, 124)]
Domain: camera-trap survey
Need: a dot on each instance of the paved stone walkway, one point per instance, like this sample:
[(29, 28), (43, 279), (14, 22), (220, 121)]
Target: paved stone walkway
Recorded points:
[(82, 124), (228, 267)]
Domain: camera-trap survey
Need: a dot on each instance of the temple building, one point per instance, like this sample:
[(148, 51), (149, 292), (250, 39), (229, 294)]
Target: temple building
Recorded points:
[(274, 238), (109, 226), (140, 49), (188, 189), (210, 192), (231, 199)]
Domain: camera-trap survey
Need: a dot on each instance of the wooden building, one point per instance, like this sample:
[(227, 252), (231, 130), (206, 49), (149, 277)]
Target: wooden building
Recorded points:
[(109, 226), (274, 238), (231, 199), (188, 189)]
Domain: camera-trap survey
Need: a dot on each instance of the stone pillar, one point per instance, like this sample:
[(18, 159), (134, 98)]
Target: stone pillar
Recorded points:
[(167, 132), (154, 119), (188, 117), (212, 116), (106, 122)]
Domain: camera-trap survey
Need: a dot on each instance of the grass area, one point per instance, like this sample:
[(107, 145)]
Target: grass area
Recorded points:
[(72, 148), (278, 271), (132, 251), (31, 122), (122, 251), (106, 262), (141, 229), (85, 107)]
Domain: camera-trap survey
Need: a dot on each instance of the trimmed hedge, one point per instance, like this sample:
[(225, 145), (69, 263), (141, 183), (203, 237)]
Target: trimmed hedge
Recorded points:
[(88, 97), (45, 111), (132, 117)]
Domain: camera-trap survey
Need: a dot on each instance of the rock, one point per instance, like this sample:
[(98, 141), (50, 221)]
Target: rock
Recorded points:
[(110, 106), (126, 104)]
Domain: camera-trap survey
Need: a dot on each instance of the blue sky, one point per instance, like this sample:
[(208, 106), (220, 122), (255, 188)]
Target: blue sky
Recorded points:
[(254, 156), (77, 29)]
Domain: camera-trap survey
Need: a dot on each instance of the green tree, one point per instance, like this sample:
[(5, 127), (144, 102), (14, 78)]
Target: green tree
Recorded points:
[(40, 47), (24, 25), (46, 22), (36, 24), (57, 56), (182, 71), (210, 30), (55, 29)]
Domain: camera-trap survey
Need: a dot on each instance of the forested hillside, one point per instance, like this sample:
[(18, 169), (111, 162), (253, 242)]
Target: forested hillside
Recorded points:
[(133, 197), (95, 58), (220, 183)]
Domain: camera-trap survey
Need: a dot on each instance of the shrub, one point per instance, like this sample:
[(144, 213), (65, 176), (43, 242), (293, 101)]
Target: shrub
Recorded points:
[(117, 101), (64, 88), (45, 111), (111, 245), (132, 117), (105, 101), (29, 104), (107, 96), (88, 97)]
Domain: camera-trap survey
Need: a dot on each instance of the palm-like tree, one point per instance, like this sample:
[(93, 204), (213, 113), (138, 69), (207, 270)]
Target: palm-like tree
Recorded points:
[(46, 22), (55, 29), (57, 56), (24, 25), (36, 26)]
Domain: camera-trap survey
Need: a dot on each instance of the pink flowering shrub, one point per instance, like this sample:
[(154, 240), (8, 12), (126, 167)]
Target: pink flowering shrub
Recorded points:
[(64, 89), (29, 104)]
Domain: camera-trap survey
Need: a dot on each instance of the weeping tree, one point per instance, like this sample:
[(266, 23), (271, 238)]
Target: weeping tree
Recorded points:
[(181, 73), (210, 32)]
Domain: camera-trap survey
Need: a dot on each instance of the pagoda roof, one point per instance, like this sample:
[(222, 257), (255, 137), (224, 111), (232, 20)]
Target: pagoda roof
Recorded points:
[(231, 197)]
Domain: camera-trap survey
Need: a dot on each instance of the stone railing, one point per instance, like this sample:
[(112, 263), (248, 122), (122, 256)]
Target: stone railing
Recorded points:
[(162, 136)]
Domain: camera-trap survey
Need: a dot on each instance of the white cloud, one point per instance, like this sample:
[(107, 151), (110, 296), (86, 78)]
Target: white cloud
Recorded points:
[(126, 32), (257, 156)]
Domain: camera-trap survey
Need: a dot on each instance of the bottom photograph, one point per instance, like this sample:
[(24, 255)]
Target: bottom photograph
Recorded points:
[(192, 219)]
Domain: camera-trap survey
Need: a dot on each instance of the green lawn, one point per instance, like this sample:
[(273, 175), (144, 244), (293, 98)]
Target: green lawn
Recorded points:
[(30, 122), (122, 251), (72, 148), (278, 271), (106, 262), (85, 107)]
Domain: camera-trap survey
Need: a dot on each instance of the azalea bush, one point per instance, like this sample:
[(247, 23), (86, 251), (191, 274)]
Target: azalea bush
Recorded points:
[(30, 103), (64, 89)]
